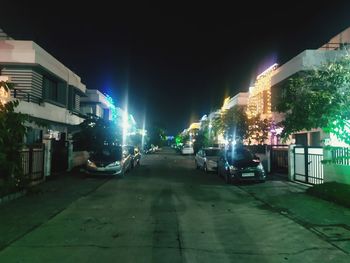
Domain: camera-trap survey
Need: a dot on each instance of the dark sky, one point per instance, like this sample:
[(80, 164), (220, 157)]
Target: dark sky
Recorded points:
[(174, 61)]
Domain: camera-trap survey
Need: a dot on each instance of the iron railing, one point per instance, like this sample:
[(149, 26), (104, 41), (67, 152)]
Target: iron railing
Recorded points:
[(32, 159), (25, 96), (340, 155)]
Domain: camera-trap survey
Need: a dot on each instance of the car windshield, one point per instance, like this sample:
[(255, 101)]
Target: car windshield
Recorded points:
[(131, 149), (108, 154), (212, 152), (239, 154)]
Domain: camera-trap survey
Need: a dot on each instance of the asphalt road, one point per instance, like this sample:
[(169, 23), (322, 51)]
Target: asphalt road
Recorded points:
[(166, 211)]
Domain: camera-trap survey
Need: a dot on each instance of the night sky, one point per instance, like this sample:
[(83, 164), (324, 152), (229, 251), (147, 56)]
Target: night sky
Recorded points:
[(174, 61)]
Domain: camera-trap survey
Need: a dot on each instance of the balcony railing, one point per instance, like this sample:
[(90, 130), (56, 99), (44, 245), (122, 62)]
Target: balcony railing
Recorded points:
[(341, 155), (24, 96)]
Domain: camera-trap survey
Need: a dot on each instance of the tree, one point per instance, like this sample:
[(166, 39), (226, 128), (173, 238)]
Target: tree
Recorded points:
[(235, 122), (258, 129), (156, 134), (207, 134), (95, 132), (12, 132), (217, 126), (319, 98)]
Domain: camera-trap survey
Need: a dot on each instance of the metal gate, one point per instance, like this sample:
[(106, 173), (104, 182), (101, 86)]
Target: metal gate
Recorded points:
[(279, 159), (307, 164), (33, 163)]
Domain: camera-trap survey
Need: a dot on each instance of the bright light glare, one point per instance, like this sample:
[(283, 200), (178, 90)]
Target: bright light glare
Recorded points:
[(143, 133), (125, 125)]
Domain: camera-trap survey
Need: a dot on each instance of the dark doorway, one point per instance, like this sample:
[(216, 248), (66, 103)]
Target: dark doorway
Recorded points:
[(59, 161), (301, 139)]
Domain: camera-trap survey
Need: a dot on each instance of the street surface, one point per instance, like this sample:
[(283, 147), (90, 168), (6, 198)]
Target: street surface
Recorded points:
[(166, 211)]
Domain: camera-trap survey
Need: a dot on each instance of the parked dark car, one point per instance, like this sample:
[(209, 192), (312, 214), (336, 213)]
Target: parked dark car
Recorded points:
[(111, 160), (239, 164), (135, 155)]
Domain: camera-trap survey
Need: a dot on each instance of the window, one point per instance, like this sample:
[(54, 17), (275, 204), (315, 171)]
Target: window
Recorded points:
[(34, 136), (315, 139), (51, 89), (301, 139), (106, 114), (54, 91)]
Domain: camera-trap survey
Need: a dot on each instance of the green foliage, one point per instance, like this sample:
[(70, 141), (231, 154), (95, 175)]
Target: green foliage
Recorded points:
[(217, 126), (234, 122), (156, 134), (96, 132), (178, 139), (331, 191), (318, 98), (12, 132), (258, 129)]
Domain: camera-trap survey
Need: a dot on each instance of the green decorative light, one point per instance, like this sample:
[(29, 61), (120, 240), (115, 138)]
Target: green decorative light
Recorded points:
[(112, 107)]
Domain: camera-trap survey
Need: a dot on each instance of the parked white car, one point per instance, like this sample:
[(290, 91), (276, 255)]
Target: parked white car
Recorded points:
[(112, 160), (207, 159), (187, 149)]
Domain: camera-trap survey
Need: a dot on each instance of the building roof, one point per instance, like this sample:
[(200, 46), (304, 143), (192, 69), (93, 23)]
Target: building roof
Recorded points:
[(17, 52)]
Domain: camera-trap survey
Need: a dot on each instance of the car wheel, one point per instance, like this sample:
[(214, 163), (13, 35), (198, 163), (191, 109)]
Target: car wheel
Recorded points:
[(196, 164), (228, 178), (205, 168)]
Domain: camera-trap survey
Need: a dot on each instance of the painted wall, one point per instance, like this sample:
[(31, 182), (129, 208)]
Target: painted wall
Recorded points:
[(307, 59), (240, 99), (49, 112), (29, 53), (335, 172)]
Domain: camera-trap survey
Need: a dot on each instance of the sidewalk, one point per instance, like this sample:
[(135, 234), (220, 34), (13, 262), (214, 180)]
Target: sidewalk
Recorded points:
[(328, 220), (46, 200)]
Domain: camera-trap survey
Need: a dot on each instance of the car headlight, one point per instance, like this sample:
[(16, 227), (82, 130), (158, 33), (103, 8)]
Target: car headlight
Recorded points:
[(232, 168), (116, 163), (91, 164)]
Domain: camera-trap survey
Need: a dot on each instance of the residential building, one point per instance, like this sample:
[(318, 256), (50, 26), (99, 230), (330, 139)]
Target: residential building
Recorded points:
[(264, 95), (48, 91), (96, 103), (240, 99)]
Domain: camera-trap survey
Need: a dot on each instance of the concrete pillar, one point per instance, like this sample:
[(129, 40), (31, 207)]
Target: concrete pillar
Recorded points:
[(328, 169), (70, 155), (47, 156), (291, 167), (268, 156)]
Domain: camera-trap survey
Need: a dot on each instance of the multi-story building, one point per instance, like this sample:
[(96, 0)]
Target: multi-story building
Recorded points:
[(240, 99), (96, 103), (48, 92), (264, 95)]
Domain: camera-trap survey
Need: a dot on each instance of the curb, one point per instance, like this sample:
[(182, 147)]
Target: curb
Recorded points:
[(7, 198)]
